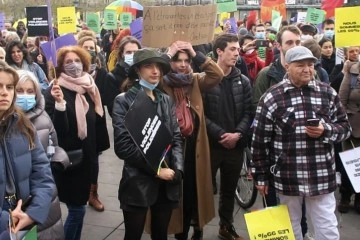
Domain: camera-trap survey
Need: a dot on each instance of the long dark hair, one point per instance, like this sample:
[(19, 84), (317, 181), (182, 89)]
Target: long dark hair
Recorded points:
[(23, 124), (9, 48)]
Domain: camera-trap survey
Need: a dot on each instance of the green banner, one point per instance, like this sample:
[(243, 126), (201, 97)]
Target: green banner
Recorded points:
[(226, 6), (93, 22), (110, 22), (125, 19), (315, 16)]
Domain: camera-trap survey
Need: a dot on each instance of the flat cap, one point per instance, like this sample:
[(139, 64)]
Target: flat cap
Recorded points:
[(299, 53)]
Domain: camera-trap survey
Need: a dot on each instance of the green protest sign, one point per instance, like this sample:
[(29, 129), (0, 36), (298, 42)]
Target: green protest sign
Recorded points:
[(110, 22), (274, 15), (125, 19), (93, 22), (315, 16), (226, 6)]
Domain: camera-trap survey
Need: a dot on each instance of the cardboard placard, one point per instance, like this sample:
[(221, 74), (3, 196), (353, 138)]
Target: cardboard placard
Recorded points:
[(315, 16), (66, 20), (37, 21), (93, 22), (347, 26), (351, 163), (194, 24), (226, 6)]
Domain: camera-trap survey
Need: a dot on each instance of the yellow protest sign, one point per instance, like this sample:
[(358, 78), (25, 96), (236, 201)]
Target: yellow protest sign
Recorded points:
[(24, 20), (223, 16), (269, 223), (218, 30), (347, 26), (66, 20)]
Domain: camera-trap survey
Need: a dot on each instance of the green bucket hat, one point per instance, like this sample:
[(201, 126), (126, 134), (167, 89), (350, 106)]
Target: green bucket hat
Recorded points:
[(145, 56)]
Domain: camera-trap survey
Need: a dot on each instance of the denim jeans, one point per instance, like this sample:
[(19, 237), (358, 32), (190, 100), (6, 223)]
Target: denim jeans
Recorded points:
[(74, 222)]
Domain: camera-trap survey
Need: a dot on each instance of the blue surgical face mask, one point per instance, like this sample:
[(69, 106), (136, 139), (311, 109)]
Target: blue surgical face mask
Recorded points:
[(260, 35), (129, 58), (74, 69), (329, 34), (25, 102), (148, 85)]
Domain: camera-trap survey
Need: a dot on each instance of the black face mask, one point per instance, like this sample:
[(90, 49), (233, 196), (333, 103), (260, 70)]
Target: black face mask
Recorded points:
[(93, 56)]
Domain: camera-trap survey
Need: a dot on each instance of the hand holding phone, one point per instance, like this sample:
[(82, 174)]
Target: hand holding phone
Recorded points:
[(261, 43), (313, 122)]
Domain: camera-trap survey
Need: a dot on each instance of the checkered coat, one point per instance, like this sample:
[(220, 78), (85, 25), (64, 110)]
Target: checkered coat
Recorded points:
[(300, 165)]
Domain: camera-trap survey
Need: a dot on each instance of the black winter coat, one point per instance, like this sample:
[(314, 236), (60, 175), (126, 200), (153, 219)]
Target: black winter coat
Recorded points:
[(139, 185), (113, 82), (328, 63), (242, 98), (74, 185)]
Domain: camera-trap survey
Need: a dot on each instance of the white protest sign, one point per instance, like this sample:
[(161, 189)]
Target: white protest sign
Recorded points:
[(351, 162), (301, 16)]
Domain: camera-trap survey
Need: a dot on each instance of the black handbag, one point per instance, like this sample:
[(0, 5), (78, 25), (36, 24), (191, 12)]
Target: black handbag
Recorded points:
[(75, 158)]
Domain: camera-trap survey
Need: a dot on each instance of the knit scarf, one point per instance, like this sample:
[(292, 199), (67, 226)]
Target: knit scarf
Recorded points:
[(177, 80), (251, 62), (82, 85)]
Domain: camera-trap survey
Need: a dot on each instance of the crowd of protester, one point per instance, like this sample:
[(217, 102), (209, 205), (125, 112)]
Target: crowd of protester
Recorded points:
[(256, 88)]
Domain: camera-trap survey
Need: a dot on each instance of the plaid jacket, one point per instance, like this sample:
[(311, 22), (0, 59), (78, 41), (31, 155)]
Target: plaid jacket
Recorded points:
[(300, 165)]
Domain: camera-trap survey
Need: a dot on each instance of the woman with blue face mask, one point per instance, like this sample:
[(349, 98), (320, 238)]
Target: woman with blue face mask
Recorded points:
[(127, 47), (141, 187), (74, 104), (32, 102), (25, 168)]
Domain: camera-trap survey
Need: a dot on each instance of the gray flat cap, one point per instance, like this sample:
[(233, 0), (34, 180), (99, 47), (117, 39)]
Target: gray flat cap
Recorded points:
[(243, 31), (299, 53)]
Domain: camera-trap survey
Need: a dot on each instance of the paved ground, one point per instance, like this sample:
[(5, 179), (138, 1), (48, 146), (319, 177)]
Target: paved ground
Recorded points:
[(109, 224)]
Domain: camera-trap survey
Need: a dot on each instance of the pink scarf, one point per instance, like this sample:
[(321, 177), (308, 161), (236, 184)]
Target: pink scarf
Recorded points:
[(81, 85)]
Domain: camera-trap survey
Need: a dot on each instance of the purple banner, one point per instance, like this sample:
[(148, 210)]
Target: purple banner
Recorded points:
[(232, 24), (2, 21), (52, 56), (136, 28), (50, 48)]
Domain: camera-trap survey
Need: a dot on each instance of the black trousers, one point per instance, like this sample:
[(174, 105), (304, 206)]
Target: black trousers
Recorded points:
[(229, 162)]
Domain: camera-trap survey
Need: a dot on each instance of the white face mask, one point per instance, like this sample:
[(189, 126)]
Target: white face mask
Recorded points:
[(306, 37), (248, 52), (129, 58), (42, 42)]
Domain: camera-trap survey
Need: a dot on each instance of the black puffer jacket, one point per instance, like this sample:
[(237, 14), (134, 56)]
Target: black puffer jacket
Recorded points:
[(139, 185), (242, 97)]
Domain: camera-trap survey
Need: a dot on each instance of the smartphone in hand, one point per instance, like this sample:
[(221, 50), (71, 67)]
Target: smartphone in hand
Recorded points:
[(261, 43), (314, 122)]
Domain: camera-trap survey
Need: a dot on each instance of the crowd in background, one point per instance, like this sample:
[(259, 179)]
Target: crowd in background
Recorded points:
[(227, 90)]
